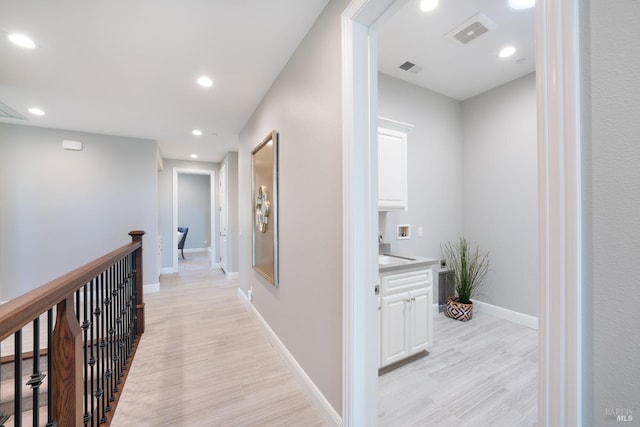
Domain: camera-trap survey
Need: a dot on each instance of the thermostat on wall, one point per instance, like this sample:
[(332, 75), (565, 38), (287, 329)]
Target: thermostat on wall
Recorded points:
[(72, 145)]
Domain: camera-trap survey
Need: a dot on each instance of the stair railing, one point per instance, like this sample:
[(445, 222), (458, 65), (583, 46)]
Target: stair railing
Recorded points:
[(99, 317)]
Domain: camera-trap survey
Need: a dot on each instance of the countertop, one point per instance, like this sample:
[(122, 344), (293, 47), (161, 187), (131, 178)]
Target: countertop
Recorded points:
[(406, 262)]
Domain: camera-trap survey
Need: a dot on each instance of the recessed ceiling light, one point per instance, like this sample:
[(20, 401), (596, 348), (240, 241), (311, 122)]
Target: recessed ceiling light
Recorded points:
[(522, 4), (36, 111), (194, 156), (507, 51), (428, 5), (205, 81), (197, 132), (22, 40)]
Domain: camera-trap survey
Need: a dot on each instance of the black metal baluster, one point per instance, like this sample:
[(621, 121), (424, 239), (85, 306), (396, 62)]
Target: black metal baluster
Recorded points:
[(116, 328), (37, 376), (50, 422), (110, 333), (129, 294), (116, 340), (3, 417), (121, 299), (101, 359), (17, 382), (92, 357), (119, 321), (125, 313), (135, 296), (77, 299), (133, 300), (84, 325)]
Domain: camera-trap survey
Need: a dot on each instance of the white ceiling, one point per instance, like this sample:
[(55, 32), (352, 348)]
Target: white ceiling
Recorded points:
[(455, 71), (128, 68)]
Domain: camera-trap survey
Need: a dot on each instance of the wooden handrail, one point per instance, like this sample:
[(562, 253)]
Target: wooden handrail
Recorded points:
[(20, 311), (70, 402)]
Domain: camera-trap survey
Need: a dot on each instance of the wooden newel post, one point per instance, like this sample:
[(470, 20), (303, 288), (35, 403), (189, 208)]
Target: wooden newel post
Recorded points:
[(136, 236), (67, 366)]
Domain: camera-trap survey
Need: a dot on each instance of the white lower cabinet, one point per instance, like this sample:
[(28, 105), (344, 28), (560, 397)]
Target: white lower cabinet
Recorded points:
[(406, 325)]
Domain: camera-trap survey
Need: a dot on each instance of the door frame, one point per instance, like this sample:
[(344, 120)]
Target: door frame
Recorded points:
[(224, 211), (212, 184), (560, 209)]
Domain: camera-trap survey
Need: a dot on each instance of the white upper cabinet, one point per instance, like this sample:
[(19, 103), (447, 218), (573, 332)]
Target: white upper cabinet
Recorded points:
[(392, 164)]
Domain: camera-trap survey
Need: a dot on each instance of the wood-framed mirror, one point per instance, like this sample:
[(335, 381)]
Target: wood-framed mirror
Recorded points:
[(264, 202)]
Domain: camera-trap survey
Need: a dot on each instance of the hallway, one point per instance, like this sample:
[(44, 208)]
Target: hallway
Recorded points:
[(204, 361)]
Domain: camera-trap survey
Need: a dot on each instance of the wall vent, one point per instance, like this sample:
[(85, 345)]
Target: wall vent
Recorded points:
[(9, 113), (471, 29), (410, 67)]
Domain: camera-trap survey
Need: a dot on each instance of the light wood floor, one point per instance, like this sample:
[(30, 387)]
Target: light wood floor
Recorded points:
[(481, 373), (204, 361)]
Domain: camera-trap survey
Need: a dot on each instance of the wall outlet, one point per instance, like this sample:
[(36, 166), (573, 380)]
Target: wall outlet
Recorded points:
[(250, 294), (419, 231), (443, 263)]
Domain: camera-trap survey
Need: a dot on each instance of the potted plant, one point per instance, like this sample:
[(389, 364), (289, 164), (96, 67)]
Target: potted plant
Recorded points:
[(469, 267)]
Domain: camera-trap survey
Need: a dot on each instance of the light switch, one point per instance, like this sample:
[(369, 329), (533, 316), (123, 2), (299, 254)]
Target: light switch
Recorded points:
[(419, 231)]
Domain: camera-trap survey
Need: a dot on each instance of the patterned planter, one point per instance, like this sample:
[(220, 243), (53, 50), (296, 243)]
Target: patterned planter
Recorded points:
[(457, 310)]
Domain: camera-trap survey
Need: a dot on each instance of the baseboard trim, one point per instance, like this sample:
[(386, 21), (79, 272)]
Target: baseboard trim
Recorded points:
[(506, 314), (233, 275), (168, 270), (151, 288), (192, 250), (308, 386)]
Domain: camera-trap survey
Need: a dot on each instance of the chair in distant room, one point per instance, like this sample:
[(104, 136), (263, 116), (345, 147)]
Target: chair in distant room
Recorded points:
[(182, 236)]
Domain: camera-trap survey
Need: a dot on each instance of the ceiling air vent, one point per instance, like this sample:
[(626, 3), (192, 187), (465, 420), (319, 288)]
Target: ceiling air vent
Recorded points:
[(471, 29), (410, 67), (9, 113)]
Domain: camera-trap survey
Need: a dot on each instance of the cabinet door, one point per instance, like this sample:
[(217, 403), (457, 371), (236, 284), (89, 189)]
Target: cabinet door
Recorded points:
[(394, 328), (392, 169), (420, 321)]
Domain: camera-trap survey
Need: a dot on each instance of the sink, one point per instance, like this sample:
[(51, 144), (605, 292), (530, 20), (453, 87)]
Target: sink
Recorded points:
[(391, 259)]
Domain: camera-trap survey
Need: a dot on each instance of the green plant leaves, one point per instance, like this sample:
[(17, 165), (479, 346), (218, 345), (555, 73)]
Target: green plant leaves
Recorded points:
[(469, 267)]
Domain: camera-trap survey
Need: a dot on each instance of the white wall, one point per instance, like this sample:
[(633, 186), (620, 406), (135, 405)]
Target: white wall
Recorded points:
[(61, 209), (614, 193), (304, 106), (194, 209), (472, 170), (500, 190), (165, 203), (434, 151)]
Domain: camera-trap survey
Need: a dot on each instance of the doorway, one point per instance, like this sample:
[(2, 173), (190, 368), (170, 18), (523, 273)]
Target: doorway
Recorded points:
[(560, 210), (211, 252)]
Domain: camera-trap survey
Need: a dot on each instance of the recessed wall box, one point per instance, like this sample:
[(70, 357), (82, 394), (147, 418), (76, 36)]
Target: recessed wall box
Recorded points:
[(72, 145), (404, 231)]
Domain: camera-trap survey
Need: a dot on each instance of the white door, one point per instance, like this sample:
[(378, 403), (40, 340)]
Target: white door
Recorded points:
[(222, 192), (394, 333)]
